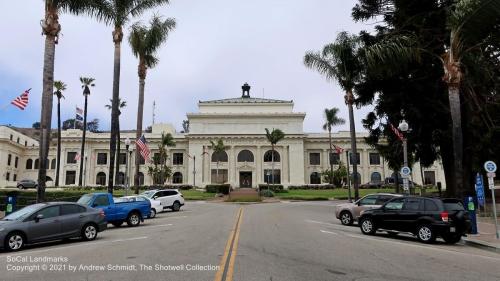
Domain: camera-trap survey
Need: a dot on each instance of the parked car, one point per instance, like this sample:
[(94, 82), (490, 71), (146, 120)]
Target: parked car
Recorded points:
[(348, 213), (118, 212), (391, 180), (169, 198), (50, 221), (156, 206), (371, 185), (23, 184), (427, 218)]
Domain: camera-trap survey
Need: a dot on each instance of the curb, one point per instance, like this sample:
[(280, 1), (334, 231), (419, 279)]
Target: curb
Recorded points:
[(482, 245)]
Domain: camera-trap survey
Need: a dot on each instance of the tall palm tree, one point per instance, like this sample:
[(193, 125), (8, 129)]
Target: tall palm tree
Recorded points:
[(331, 119), (118, 13), (60, 87), (470, 23), (218, 148), (275, 136), (342, 61), (145, 42), (86, 83), (51, 28), (121, 105)]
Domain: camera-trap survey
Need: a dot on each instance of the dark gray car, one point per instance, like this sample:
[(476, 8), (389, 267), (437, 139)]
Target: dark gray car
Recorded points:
[(22, 184), (50, 221)]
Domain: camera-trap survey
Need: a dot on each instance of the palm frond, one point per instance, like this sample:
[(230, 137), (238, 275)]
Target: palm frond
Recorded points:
[(101, 10), (321, 64), (140, 6), (87, 81)]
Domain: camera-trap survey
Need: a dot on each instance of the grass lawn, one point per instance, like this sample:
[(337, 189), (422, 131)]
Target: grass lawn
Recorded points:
[(325, 194)]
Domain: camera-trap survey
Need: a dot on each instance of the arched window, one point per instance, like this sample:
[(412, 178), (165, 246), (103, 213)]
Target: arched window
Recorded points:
[(177, 177), (315, 178), (29, 164), (121, 178), (245, 156), (141, 178), (358, 178), (53, 164), (219, 156), (376, 177), (268, 156), (100, 179), (37, 164), (47, 178)]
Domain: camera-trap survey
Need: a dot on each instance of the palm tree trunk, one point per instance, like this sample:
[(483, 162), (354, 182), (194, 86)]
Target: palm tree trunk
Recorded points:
[(350, 100), (58, 164), (117, 39), (272, 164), (456, 120), (138, 134), (46, 113), (329, 155), (117, 160), (82, 153)]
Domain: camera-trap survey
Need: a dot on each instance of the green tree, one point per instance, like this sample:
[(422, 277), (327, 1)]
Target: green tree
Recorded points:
[(36, 125), (331, 119), (60, 87), (342, 61), (87, 82), (118, 13), (121, 104), (218, 148), (273, 137), (336, 177), (145, 42), (160, 170)]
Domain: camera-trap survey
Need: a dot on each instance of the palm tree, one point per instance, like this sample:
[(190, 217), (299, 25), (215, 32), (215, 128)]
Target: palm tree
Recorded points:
[(86, 83), (118, 13), (51, 28), (331, 120), (342, 61), (273, 137), (60, 86), (145, 42), (470, 23), (121, 104), (218, 148)]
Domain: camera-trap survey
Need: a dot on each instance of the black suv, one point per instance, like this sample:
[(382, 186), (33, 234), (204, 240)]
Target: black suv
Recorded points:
[(427, 218)]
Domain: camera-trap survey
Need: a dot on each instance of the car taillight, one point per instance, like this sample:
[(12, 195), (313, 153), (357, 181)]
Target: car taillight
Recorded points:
[(102, 214), (444, 216)]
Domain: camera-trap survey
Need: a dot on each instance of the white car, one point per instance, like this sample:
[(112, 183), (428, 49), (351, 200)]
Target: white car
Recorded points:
[(156, 206), (169, 198)]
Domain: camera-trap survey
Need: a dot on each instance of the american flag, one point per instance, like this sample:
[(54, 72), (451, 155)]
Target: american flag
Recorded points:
[(79, 111), (397, 132), (22, 101), (77, 156), (143, 147), (338, 149)]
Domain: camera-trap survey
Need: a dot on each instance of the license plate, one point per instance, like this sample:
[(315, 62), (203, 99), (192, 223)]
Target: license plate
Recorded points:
[(452, 229)]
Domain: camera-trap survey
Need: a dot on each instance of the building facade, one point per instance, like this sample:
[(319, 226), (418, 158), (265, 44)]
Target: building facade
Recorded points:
[(299, 158)]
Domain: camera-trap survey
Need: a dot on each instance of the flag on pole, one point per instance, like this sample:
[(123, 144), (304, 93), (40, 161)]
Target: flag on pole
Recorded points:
[(338, 149), (77, 156), (397, 132), (79, 111), (22, 101), (143, 147)]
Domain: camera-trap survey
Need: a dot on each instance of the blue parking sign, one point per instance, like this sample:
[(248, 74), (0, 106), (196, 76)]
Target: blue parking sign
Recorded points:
[(479, 189)]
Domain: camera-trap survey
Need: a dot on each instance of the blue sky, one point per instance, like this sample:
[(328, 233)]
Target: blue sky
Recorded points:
[(217, 46)]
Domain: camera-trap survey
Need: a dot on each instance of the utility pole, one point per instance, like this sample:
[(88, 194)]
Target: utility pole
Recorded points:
[(154, 108)]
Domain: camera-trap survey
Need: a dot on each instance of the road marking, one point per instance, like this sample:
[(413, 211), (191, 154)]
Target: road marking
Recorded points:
[(159, 225), (230, 271), (329, 232), (223, 266), (320, 222)]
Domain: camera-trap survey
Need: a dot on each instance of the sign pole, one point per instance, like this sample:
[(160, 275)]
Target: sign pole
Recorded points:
[(495, 212), (491, 168)]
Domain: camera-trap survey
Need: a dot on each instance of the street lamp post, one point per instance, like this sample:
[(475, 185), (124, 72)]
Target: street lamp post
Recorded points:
[(127, 181), (403, 126)]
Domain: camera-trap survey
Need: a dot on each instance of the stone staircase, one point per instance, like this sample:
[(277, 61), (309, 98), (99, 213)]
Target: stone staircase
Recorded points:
[(247, 194)]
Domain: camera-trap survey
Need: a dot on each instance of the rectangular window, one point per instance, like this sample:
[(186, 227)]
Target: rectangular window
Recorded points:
[(70, 158), (430, 177), (16, 161), (70, 177), (334, 158), (178, 159), (270, 179), (15, 177), (25, 143), (374, 159), (7, 176), (102, 158), (123, 159), (17, 140), (11, 137), (314, 158), (219, 177), (9, 159), (358, 161), (156, 159)]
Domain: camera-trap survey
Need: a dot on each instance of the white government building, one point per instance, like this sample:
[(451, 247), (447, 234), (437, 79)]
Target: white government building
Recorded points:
[(240, 122)]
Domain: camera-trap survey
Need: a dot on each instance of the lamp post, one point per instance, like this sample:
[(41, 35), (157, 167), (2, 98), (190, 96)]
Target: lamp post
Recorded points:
[(403, 126), (127, 181)]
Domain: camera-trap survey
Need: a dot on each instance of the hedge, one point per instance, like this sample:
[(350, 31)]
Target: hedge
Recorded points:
[(218, 188), (312, 186), (273, 187), (28, 197)]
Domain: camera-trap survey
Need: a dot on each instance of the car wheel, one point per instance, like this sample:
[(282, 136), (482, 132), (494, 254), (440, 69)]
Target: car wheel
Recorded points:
[(133, 219), (89, 232), (152, 214), (20, 187), (176, 206), (346, 218), (367, 226), (452, 239), (14, 242), (426, 234), (117, 223)]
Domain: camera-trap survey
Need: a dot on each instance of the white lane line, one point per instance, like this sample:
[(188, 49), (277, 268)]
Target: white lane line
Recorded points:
[(176, 217), (329, 232), (159, 225), (126, 239), (320, 222)]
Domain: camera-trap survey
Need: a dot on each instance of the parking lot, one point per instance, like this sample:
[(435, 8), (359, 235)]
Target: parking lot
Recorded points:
[(270, 241)]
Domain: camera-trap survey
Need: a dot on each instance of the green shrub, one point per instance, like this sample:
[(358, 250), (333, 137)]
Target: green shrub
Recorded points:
[(312, 186), (266, 193), (218, 188), (273, 187)]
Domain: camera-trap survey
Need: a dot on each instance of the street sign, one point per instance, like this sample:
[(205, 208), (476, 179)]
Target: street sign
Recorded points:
[(490, 166), (491, 175), (405, 171), (491, 183), (479, 189)]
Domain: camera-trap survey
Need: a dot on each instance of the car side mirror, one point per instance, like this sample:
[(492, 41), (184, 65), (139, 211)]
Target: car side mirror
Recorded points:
[(38, 217), (94, 205), (155, 197)]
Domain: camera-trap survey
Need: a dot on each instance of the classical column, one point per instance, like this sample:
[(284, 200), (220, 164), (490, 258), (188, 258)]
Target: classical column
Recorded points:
[(258, 166)]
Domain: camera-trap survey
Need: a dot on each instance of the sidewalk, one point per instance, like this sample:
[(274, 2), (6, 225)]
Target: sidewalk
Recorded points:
[(486, 238)]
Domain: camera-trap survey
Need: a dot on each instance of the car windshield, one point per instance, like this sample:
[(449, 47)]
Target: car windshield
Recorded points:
[(85, 199), (453, 205), (148, 194), (23, 213)]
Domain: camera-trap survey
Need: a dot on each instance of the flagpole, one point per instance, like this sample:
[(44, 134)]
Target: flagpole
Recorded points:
[(74, 123)]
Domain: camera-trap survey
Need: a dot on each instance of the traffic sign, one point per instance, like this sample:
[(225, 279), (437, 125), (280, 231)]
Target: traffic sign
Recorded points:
[(479, 189), (490, 166), (491, 183), (405, 171)]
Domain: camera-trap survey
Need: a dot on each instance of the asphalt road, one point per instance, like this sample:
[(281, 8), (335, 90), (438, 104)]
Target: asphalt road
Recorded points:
[(272, 241)]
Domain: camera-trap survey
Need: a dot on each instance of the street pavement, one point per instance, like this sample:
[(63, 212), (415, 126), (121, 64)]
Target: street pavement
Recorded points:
[(270, 241)]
